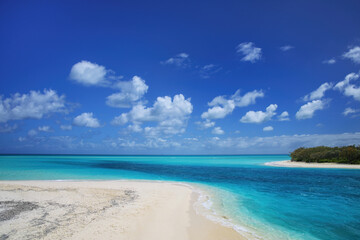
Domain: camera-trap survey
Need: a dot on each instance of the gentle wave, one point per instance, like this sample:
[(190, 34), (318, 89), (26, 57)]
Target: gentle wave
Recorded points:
[(205, 207)]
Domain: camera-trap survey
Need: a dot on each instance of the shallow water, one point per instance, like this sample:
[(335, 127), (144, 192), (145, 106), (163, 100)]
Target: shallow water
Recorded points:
[(278, 203)]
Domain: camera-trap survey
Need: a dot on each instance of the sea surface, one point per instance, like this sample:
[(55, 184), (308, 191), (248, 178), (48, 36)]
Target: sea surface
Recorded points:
[(275, 203)]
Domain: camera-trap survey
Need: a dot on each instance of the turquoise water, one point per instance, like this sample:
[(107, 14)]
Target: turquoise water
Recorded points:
[(278, 203)]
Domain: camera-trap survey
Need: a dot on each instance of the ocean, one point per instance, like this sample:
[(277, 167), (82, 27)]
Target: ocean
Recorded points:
[(273, 203)]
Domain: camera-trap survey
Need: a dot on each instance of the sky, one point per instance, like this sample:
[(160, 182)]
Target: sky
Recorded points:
[(178, 77)]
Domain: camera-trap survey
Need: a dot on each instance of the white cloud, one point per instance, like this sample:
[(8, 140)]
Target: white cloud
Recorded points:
[(208, 70), (318, 93), (65, 127), (347, 88), (283, 143), (206, 124), (349, 111), (92, 74), (149, 143), (180, 60), (284, 116), (248, 99), (353, 54), (130, 92), (221, 106), (89, 74), (307, 110), (249, 51), (134, 128), (86, 120), (170, 114), (286, 48), (259, 116), (44, 129), (6, 128), (32, 132), (218, 131), (32, 105), (120, 120), (268, 129), (191, 139), (329, 61), (21, 139)]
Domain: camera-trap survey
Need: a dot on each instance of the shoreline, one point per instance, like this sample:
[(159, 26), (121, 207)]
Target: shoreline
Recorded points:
[(290, 164), (164, 210)]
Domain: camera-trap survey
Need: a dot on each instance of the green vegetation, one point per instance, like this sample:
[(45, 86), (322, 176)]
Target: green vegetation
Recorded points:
[(347, 154)]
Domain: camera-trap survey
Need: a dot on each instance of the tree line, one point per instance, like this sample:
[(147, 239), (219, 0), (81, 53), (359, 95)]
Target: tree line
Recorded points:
[(322, 154)]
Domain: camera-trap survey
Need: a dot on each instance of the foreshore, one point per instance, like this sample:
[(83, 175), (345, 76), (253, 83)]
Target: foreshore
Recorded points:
[(289, 163), (104, 210)]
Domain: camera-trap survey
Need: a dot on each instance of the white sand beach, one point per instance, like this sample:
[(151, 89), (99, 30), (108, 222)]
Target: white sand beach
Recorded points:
[(289, 163), (104, 210)]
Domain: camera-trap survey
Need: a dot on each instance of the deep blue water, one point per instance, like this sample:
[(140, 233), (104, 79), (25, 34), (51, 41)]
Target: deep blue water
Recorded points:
[(279, 203)]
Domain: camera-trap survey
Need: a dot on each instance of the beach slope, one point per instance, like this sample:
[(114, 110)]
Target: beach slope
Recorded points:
[(289, 163), (103, 210)]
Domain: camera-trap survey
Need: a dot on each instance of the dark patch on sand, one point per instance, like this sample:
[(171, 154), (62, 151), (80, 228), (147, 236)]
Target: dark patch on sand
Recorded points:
[(10, 209)]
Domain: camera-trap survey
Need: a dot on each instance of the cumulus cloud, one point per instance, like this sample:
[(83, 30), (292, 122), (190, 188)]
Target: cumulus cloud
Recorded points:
[(92, 74), (170, 114), (89, 74), (348, 88), (7, 128), (218, 131), (259, 116), (44, 129), (268, 129), (284, 116), (135, 128), (353, 54), (179, 60), (350, 111), (65, 127), (32, 105), (248, 99), (249, 52), (130, 92), (307, 110), (329, 61), (221, 106), (206, 124), (318, 93), (86, 120), (286, 48)]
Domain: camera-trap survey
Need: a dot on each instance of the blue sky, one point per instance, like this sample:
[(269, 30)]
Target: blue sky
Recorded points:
[(160, 77)]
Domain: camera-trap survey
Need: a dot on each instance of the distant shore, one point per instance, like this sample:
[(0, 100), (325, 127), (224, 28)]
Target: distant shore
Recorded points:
[(104, 210), (289, 163)]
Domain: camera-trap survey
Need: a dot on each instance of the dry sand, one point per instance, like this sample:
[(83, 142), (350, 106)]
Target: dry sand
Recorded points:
[(289, 163), (104, 210)]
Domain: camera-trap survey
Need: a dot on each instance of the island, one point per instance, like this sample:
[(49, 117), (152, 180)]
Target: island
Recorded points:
[(322, 154), (322, 157)]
